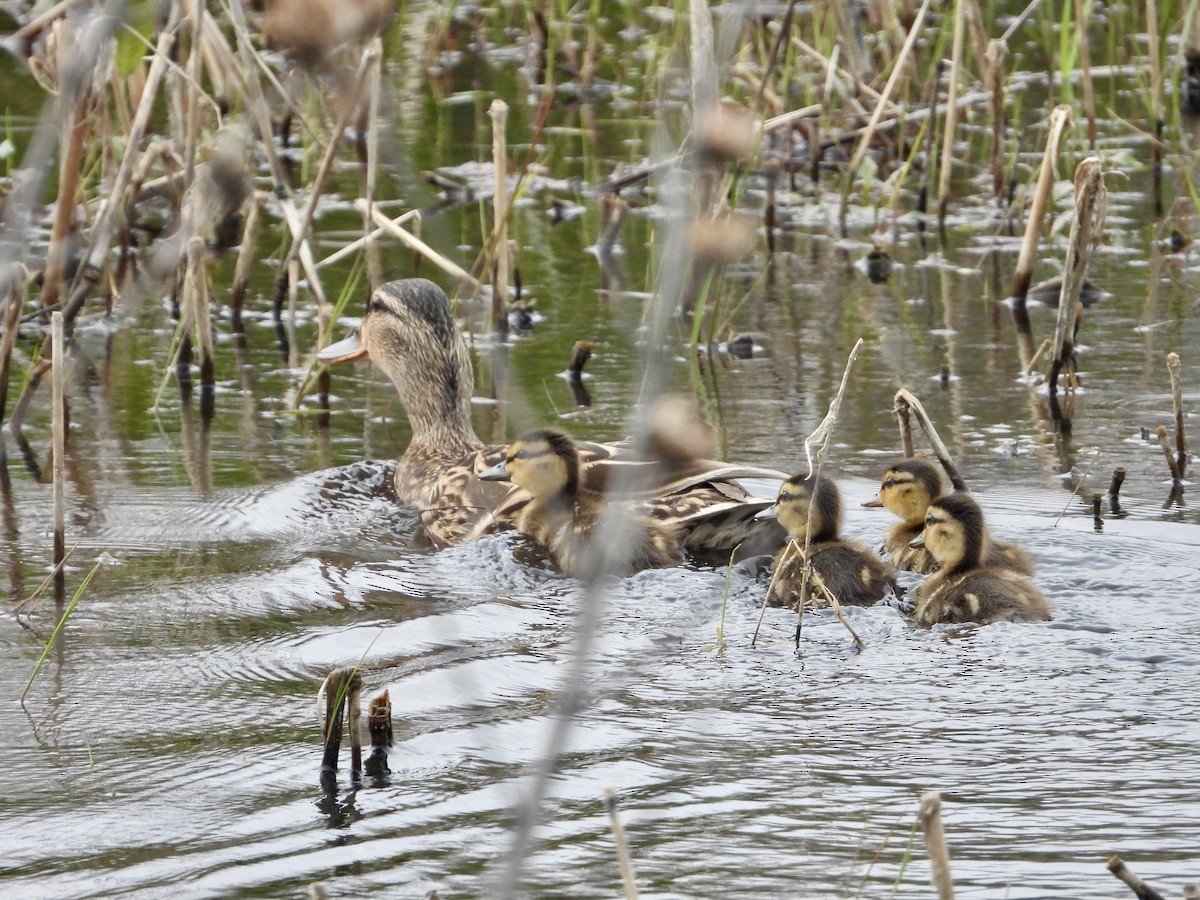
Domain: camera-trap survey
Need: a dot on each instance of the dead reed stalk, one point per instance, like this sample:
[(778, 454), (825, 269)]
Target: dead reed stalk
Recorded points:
[(245, 259), (58, 428), (993, 64), (199, 323), (498, 112), (1156, 104), (416, 244), (1165, 445), (18, 280), (930, 814), (907, 401), (1023, 277), (624, 861), (1085, 61), (1181, 450), (951, 123), (822, 434), (836, 606), (1086, 231)]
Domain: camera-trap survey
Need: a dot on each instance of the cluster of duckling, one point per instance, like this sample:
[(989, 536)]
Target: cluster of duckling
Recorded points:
[(971, 578), (561, 493)]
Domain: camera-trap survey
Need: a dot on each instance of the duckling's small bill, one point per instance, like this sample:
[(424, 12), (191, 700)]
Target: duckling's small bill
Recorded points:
[(498, 472)]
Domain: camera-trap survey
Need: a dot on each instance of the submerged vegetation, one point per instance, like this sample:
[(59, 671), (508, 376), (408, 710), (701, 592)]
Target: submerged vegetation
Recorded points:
[(683, 191)]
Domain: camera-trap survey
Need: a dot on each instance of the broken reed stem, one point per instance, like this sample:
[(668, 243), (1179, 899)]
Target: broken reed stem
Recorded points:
[(930, 814), (1086, 230), (1033, 360), (196, 301), (993, 59), (905, 422), (624, 861), (498, 112), (898, 67), (1176, 475), (370, 238), (1027, 259), (1141, 890), (905, 398), (70, 171), (1173, 369), (340, 687), (1085, 61), (820, 584), (379, 721), (1097, 517), (1114, 486), (416, 244), (951, 123), (789, 549), (245, 258), (58, 428)]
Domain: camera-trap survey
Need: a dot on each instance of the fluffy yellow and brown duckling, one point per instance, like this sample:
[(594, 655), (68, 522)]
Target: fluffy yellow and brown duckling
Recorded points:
[(409, 332), (966, 588), (906, 490), (811, 506), (563, 515)]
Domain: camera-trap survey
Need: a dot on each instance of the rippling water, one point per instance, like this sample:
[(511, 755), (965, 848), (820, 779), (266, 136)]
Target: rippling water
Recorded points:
[(170, 744)]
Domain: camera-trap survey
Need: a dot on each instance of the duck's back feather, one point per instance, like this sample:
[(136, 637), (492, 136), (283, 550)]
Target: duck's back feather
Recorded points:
[(982, 595), (854, 575)]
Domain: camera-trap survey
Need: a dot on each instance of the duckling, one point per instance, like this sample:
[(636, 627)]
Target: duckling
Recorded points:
[(966, 588), (907, 489), (812, 505), (410, 333), (563, 516)]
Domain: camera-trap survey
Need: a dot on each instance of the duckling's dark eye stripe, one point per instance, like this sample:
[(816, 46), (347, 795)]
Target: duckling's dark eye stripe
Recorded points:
[(526, 453)]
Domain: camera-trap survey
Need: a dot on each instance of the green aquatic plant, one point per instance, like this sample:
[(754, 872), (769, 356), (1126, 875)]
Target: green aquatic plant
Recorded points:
[(62, 621)]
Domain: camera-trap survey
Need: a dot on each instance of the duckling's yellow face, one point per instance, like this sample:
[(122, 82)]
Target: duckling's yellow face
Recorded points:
[(945, 537), (535, 466), (905, 496), (793, 507)]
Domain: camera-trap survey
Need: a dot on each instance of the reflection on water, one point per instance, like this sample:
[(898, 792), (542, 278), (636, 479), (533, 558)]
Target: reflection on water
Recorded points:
[(170, 743)]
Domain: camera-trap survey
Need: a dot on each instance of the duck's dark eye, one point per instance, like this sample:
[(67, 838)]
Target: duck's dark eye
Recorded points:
[(377, 304), (784, 496), (521, 454), (889, 482)]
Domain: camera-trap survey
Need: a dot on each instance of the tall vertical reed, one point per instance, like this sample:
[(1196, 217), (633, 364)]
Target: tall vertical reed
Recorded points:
[(951, 122), (499, 116), (58, 428)]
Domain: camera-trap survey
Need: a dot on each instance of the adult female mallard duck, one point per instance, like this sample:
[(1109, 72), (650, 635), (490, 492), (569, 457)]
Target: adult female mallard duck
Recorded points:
[(907, 489), (966, 588), (409, 332), (563, 517), (810, 505)]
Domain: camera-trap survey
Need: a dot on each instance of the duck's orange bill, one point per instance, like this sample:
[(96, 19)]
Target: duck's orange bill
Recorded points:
[(876, 503), (343, 351)]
